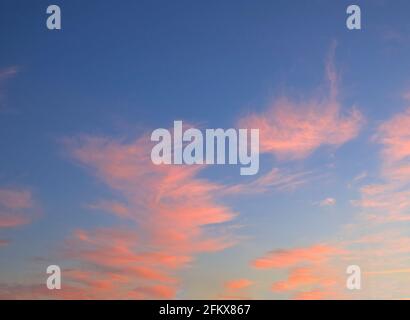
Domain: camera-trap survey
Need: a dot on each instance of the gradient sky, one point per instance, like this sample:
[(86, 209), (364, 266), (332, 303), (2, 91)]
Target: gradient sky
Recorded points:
[(78, 189)]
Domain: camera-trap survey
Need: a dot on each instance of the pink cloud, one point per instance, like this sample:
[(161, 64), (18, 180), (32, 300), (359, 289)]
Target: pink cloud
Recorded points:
[(290, 257), (328, 202), (306, 278), (394, 136), (388, 201), (15, 199), (14, 207), (292, 129), (166, 220), (238, 284), (297, 278), (11, 220), (313, 272), (316, 295)]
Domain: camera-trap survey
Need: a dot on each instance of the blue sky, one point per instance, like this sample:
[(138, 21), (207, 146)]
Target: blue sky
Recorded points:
[(119, 70)]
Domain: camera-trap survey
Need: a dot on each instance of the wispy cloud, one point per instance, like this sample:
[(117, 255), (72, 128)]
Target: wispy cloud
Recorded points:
[(312, 273), (166, 218), (302, 279), (14, 204), (238, 284), (283, 258), (274, 180), (15, 198), (328, 202), (388, 201), (292, 128)]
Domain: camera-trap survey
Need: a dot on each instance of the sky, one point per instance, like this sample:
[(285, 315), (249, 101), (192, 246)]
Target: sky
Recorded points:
[(78, 188)]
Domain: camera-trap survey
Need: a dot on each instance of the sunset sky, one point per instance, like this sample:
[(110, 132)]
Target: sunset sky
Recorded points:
[(78, 188)]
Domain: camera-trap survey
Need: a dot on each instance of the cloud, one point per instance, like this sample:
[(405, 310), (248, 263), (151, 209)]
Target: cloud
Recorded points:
[(292, 129), (238, 284), (304, 278), (173, 217), (297, 278), (284, 258), (328, 202), (15, 199), (388, 272), (153, 292), (360, 177), (406, 95), (316, 295), (394, 135), (40, 291), (275, 179), (389, 200), (318, 271), (11, 220), (313, 271), (14, 207)]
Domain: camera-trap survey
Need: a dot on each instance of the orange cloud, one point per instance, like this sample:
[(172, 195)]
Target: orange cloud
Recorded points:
[(394, 136), (238, 284), (290, 257), (313, 272), (386, 272), (297, 278), (389, 201), (308, 277), (166, 220), (292, 129), (316, 295)]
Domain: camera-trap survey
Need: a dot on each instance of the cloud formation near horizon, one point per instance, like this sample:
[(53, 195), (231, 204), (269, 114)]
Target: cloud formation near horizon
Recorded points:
[(166, 220)]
